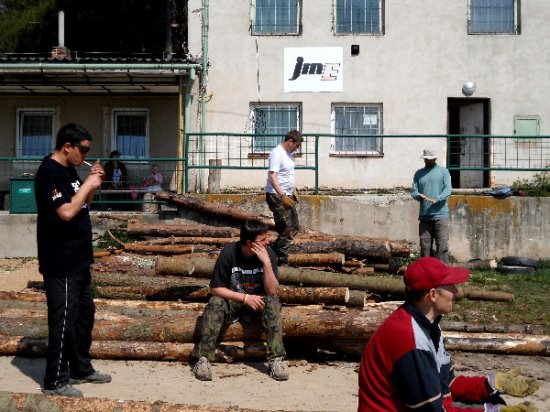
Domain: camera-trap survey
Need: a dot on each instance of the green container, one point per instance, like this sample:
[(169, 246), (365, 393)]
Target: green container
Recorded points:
[(22, 198)]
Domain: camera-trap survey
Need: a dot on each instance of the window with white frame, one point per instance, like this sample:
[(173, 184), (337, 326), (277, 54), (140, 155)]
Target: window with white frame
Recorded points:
[(494, 17), (363, 121), (358, 16), (35, 132), (131, 132), (271, 119), (276, 17)]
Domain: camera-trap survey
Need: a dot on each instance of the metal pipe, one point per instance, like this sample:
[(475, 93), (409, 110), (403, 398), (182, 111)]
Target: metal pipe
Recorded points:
[(95, 67), (204, 81), (61, 29)]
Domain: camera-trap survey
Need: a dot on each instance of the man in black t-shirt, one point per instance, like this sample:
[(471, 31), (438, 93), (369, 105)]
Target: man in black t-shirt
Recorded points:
[(244, 285), (64, 235)]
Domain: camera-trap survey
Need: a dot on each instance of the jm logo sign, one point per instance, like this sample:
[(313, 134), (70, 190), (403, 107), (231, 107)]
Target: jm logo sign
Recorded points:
[(313, 69)]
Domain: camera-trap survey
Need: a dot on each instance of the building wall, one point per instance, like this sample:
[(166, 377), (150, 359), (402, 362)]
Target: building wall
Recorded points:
[(423, 59)]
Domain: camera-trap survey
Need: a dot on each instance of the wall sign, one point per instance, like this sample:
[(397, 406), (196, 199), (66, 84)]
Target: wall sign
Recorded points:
[(313, 69)]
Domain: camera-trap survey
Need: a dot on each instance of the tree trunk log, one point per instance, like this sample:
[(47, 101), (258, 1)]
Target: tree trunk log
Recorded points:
[(476, 264), (160, 230), (21, 401), (510, 344), (212, 209), (145, 249), (316, 259), (360, 249), (193, 240), (357, 298)]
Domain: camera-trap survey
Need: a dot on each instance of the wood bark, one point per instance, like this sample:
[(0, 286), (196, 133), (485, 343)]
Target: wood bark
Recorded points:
[(316, 259), (357, 248), (212, 209), (145, 249), (11, 401), (476, 264), (165, 230), (397, 248), (193, 240)]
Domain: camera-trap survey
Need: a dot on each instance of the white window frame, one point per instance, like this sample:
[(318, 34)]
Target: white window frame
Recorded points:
[(20, 114), (253, 20), (254, 106), (380, 122), (115, 113), (378, 32), (517, 21)]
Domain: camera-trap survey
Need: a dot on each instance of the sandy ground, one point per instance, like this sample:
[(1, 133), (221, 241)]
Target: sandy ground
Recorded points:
[(325, 386)]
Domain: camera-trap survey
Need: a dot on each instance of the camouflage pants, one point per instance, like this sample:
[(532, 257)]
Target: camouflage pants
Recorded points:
[(220, 313), (286, 224)]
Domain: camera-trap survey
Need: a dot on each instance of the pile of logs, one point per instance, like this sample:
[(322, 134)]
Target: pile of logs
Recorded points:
[(151, 295)]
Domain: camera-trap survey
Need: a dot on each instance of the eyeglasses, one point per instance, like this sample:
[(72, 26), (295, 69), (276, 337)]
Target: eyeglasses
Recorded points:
[(82, 149)]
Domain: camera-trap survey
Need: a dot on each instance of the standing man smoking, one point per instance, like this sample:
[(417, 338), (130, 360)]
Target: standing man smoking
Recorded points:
[(281, 194), (432, 188), (64, 235)]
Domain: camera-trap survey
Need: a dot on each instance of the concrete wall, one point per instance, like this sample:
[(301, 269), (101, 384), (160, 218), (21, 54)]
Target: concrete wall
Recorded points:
[(481, 227), (423, 58)]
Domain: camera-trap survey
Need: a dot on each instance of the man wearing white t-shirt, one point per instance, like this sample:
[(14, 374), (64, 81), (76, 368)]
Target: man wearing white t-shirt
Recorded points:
[(281, 193)]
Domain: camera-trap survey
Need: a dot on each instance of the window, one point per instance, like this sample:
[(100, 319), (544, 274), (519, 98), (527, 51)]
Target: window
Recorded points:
[(494, 17), (35, 132), (276, 17), (358, 16), (273, 119), (528, 126), (358, 120), (131, 132)]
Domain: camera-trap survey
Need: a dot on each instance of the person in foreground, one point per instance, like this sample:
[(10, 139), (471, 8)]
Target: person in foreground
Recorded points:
[(405, 366), (64, 235), (244, 286)]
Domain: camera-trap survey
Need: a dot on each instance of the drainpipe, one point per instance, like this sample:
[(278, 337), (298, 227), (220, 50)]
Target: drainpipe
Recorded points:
[(204, 82), (29, 68), (186, 129)]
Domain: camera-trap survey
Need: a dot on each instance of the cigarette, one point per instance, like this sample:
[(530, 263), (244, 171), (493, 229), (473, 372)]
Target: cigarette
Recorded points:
[(86, 163)]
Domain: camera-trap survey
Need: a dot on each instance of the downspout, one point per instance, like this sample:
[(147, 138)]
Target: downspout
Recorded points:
[(186, 130), (204, 82), (91, 67)]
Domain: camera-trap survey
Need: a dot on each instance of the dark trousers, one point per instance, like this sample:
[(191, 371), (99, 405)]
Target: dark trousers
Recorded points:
[(221, 313), (437, 231), (70, 322), (286, 225)]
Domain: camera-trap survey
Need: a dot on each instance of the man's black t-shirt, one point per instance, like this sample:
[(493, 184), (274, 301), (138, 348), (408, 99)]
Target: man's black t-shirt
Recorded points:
[(239, 273), (64, 247)]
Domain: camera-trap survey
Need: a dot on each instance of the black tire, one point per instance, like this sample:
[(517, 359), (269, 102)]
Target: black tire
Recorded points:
[(508, 269), (519, 261)]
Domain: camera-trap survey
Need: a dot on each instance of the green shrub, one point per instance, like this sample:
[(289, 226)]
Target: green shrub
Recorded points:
[(538, 187)]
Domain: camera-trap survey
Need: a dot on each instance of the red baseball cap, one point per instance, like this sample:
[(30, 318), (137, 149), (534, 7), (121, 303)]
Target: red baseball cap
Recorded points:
[(427, 272)]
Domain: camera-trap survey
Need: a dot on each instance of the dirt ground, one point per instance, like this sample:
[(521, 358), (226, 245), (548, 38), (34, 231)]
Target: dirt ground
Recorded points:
[(328, 386)]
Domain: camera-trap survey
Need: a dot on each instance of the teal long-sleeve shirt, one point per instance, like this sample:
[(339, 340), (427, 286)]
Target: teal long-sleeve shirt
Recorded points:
[(435, 183)]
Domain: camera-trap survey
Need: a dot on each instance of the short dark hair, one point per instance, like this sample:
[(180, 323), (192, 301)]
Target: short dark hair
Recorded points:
[(294, 135), (72, 133), (115, 153), (251, 229), (415, 296)]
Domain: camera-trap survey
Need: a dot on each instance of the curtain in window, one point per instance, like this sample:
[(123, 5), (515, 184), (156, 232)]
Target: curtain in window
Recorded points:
[(358, 121), (273, 120), (276, 16), (131, 134), (492, 16), (358, 16), (36, 134)]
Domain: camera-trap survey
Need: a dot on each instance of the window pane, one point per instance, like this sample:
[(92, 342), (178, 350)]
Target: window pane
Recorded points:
[(131, 134), (360, 121), (492, 16), (276, 16), (358, 16), (273, 119), (36, 134)]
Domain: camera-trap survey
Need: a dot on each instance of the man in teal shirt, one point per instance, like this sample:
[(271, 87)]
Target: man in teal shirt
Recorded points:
[(432, 187)]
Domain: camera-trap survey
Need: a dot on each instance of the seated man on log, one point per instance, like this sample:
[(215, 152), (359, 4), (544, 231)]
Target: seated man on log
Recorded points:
[(405, 365), (244, 285)]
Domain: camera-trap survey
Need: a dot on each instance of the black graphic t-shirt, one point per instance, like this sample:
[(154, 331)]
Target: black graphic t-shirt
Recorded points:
[(64, 247), (239, 273)]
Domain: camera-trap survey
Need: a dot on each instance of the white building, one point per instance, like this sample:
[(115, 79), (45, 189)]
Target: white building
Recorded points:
[(379, 67)]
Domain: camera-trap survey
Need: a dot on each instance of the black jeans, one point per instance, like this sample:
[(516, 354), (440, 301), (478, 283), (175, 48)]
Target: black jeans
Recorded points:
[(71, 313)]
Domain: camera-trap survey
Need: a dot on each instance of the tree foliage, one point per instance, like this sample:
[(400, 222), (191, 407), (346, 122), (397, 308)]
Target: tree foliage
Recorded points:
[(125, 26)]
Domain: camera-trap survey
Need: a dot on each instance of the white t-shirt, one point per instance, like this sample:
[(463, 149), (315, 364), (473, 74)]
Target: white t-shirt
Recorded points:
[(282, 163)]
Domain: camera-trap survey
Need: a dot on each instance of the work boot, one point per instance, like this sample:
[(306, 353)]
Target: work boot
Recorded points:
[(65, 390), (278, 369), (202, 370), (94, 377)]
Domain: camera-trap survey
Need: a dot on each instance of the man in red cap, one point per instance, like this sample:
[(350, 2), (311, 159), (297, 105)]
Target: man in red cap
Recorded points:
[(405, 365)]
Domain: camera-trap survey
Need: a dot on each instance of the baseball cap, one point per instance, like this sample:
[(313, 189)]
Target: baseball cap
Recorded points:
[(427, 272), (429, 154)]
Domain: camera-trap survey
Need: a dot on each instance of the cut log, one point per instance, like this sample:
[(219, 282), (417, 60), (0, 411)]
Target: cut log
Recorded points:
[(185, 266), (397, 248), (363, 271), (23, 401), (192, 240), (212, 209), (316, 259), (476, 264), (165, 230), (474, 293), (357, 298), (516, 344), (145, 249), (357, 248), (312, 296)]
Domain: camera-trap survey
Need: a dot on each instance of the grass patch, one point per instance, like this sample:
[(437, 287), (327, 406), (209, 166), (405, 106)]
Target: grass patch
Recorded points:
[(530, 306)]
